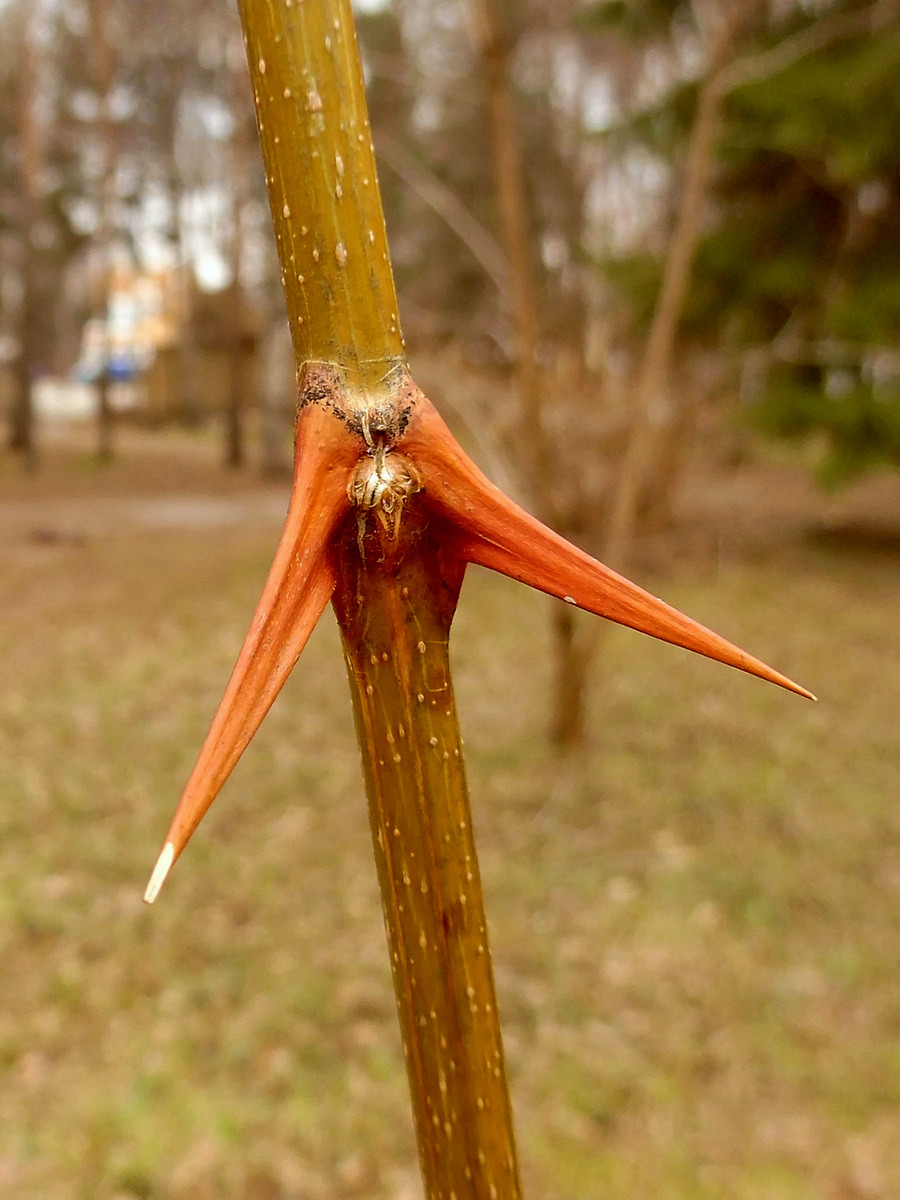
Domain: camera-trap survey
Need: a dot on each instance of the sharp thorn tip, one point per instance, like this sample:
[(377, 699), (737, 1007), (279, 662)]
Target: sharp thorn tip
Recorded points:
[(160, 871)]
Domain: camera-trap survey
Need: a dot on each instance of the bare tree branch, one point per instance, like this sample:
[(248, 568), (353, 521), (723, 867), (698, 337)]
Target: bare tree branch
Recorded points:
[(808, 41), (447, 205)]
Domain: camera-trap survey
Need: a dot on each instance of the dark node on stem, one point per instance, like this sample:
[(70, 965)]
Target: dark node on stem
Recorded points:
[(380, 412)]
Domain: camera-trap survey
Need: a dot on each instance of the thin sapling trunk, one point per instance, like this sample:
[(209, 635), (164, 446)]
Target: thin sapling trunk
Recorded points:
[(386, 512), (394, 600)]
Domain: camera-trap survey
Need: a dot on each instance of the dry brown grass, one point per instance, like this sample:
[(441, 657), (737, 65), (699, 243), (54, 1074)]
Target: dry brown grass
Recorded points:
[(696, 925)]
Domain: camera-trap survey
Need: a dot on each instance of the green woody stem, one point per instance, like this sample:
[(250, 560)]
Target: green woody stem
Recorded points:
[(386, 511), (394, 601), (323, 189), (395, 593)]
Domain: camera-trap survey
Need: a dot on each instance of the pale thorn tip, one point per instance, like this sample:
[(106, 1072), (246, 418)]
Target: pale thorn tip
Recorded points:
[(160, 871)]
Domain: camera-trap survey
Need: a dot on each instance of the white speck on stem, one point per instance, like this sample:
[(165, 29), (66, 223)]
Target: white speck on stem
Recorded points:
[(262, 66), (287, 211), (314, 101)]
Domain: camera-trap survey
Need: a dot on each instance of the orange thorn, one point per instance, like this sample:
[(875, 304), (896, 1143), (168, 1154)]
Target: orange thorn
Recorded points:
[(299, 586), (496, 533)]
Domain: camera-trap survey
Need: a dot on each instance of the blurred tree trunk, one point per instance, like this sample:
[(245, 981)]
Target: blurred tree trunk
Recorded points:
[(661, 422), (655, 507), (655, 408), (189, 410), (183, 402), (672, 421), (276, 402), (571, 663), (239, 375), (570, 668), (512, 202), (101, 49), (21, 424), (237, 381)]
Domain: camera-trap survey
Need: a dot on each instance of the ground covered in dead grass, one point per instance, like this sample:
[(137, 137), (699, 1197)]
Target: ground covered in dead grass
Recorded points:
[(696, 924)]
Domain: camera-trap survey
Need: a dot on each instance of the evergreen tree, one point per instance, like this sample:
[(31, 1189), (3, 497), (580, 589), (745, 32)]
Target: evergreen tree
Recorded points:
[(797, 279)]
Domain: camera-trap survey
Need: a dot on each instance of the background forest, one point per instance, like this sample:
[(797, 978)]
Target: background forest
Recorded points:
[(648, 261), (655, 139)]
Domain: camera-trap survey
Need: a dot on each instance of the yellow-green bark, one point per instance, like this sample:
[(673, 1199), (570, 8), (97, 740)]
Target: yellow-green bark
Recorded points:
[(323, 189), (395, 600), (396, 591)]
